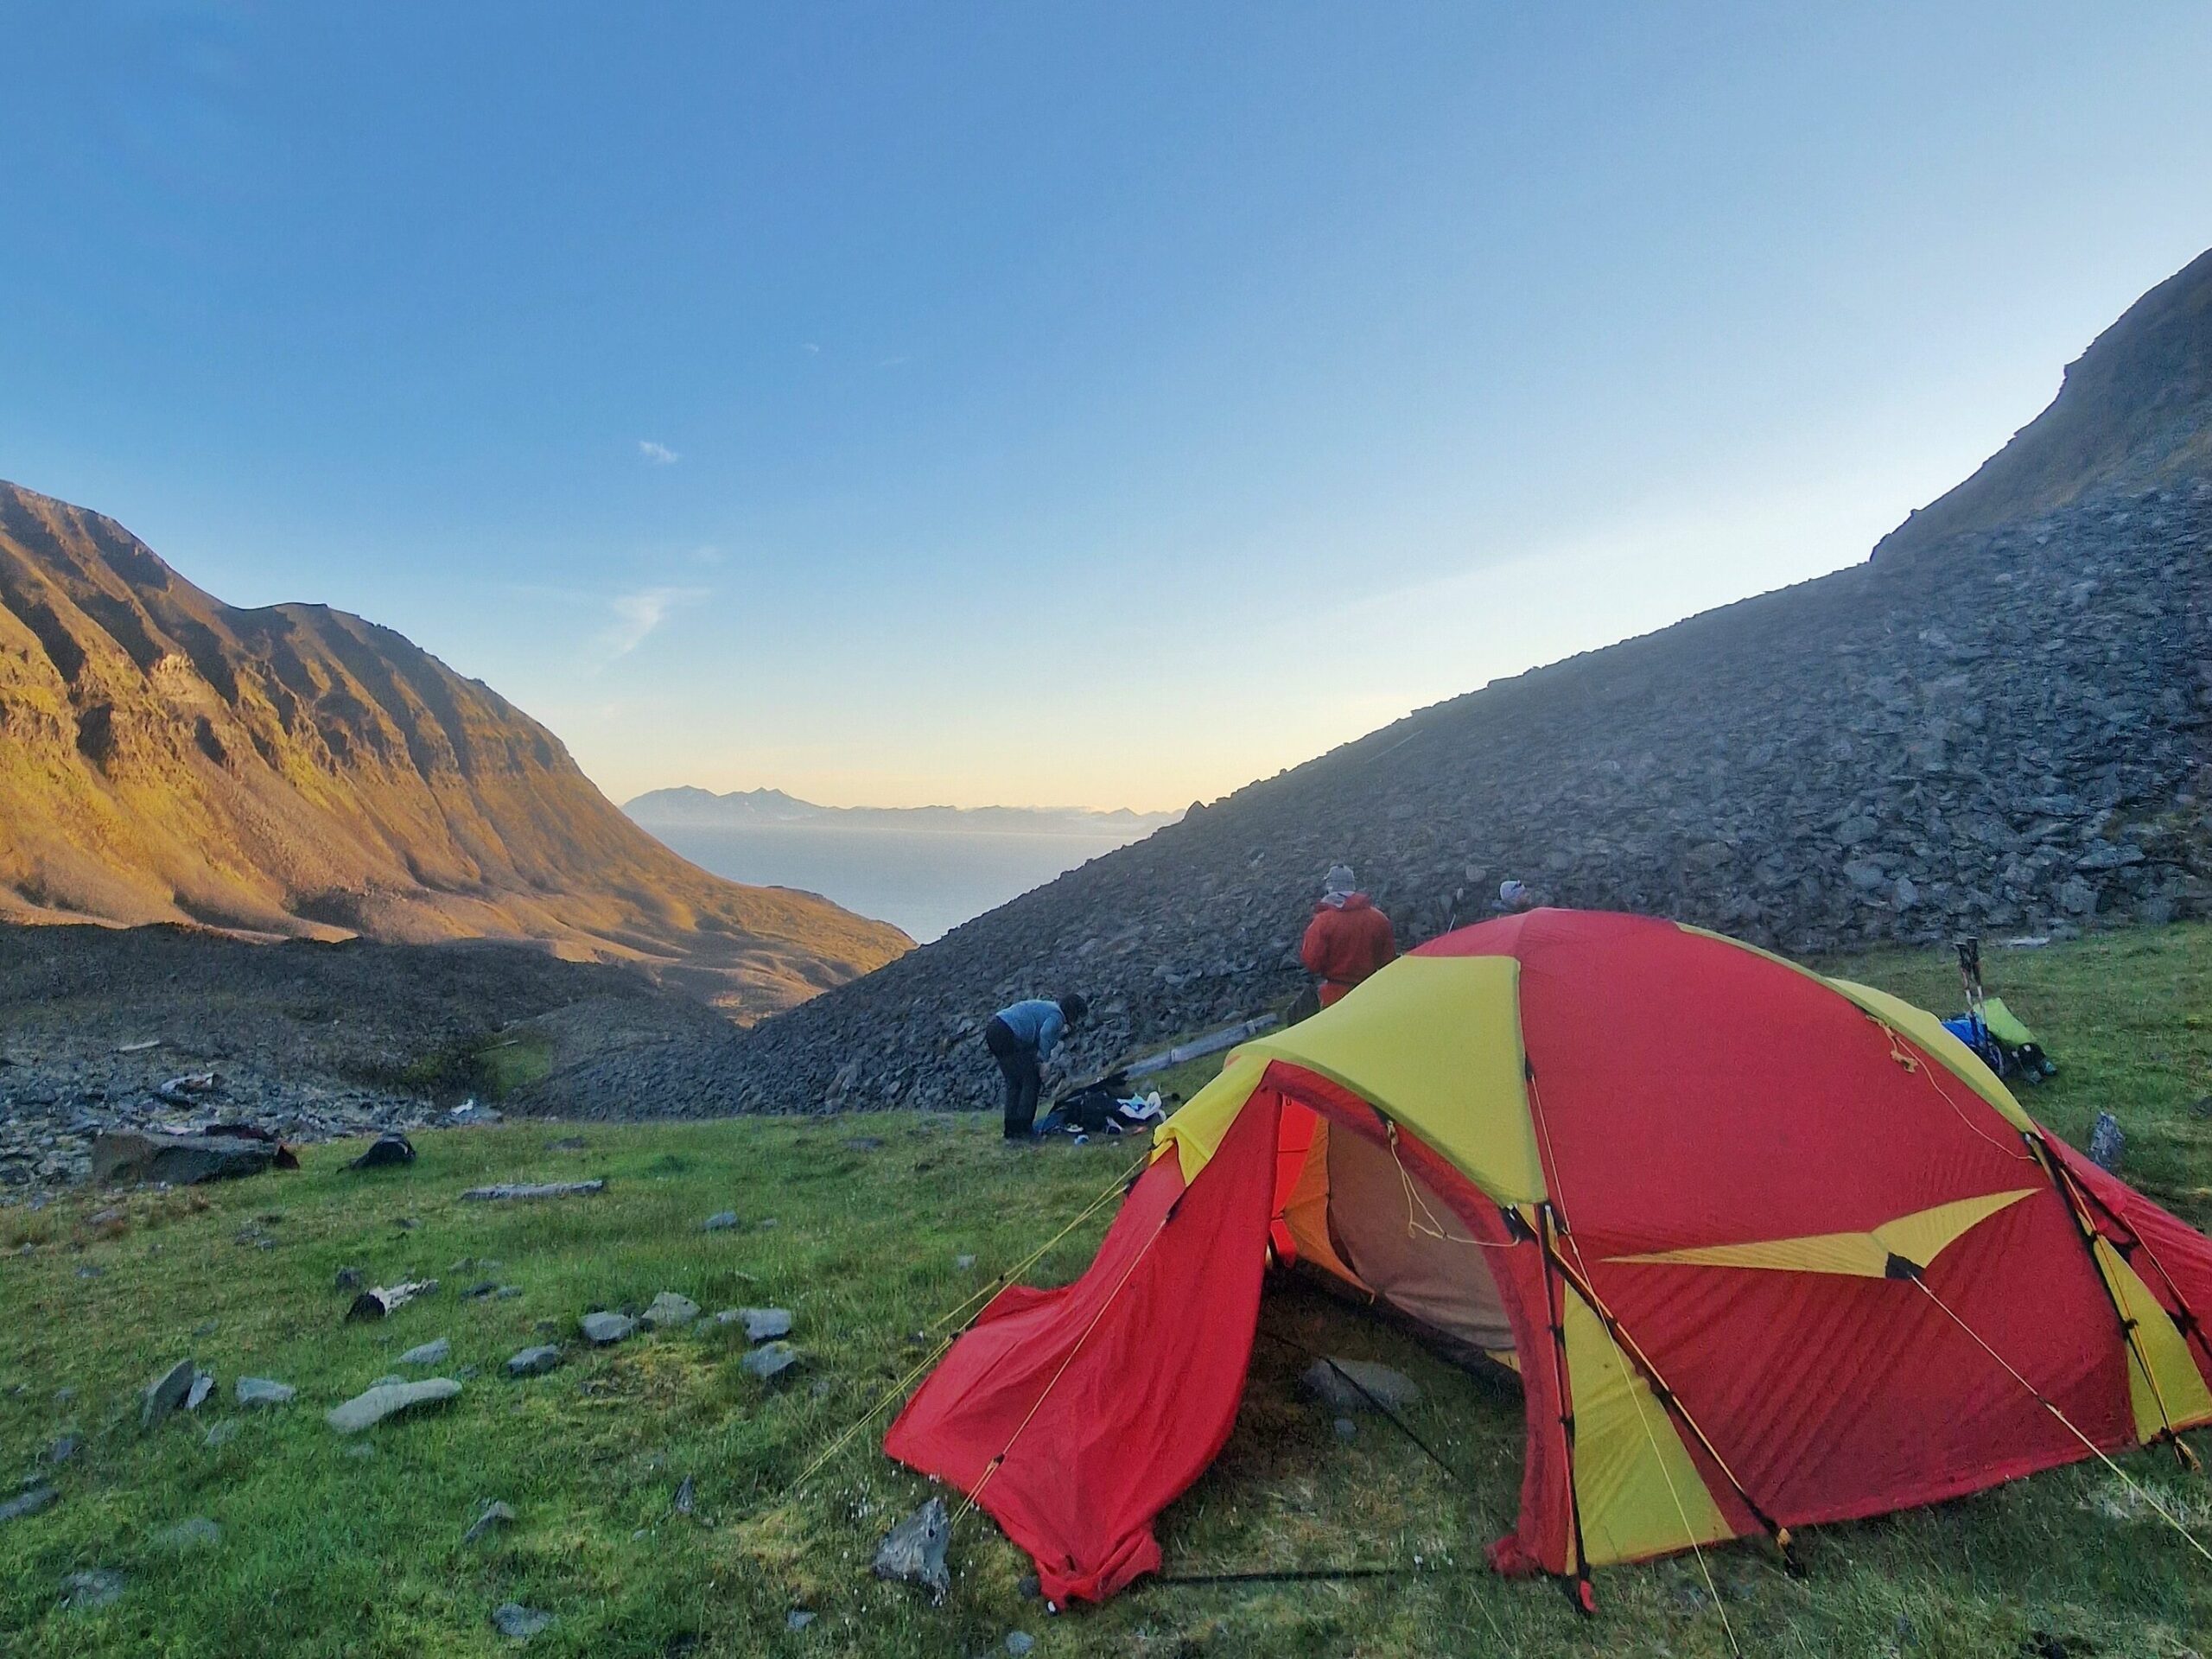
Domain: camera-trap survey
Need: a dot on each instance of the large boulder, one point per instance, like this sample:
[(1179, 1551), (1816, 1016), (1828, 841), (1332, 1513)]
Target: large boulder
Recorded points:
[(128, 1157)]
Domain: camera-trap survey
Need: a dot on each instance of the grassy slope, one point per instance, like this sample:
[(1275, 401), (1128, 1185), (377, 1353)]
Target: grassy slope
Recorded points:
[(325, 1553)]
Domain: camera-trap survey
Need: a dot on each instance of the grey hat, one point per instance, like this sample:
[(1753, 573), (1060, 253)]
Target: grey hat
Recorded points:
[(1339, 879)]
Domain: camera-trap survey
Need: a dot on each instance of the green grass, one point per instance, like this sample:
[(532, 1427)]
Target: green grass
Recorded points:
[(325, 1553), (493, 1069)]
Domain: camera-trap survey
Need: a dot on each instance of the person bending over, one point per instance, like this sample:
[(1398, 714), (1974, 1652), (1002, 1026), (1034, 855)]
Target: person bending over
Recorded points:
[(1021, 1038)]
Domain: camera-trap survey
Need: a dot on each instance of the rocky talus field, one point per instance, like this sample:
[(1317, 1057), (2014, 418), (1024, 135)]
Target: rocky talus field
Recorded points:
[(122, 1029)]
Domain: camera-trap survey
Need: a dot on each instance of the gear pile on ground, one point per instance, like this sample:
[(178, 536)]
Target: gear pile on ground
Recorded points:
[(2003, 733)]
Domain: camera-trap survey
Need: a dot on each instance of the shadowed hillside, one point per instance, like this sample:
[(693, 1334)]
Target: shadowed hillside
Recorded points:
[(294, 771)]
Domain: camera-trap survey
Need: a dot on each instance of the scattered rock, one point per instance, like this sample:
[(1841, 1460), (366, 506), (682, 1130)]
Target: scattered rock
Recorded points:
[(221, 1435), (534, 1362), (763, 1324), (864, 1143), (773, 1361), (128, 1157), (913, 1551), (1019, 1642), (479, 1290), (167, 1392), (669, 1309), (496, 1514), (521, 1623), (603, 1328), (63, 1448), (28, 1502), (2107, 1142), (797, 1619), (186, 1089), (367, 1409), (1355, 1385), (1347, 1429), (721, 1221), (203, 1384), (385, 1152), (534, 1189), (262, 1391), (348, 1279), (94, 1588), (434, 1353), (196, 1533), (1027, 1587), (963, 1263), (382, 1300), (684, 1494)]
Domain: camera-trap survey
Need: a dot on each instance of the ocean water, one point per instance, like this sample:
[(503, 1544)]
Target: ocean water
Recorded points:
[(924, 881)]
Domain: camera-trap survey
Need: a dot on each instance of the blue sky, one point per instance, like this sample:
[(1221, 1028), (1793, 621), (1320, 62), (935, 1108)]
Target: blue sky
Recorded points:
[(1098, 404)]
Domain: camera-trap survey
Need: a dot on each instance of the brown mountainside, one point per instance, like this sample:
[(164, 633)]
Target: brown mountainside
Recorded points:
[(294, 770), (2133, 413)]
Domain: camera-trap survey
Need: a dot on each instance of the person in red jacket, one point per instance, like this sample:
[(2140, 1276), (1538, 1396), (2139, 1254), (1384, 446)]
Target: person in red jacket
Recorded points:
[(1348, 938)]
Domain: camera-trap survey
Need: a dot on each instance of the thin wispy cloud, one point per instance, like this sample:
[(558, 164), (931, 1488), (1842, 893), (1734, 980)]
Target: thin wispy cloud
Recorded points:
[(657, 455), (809, 348), (637, 615)]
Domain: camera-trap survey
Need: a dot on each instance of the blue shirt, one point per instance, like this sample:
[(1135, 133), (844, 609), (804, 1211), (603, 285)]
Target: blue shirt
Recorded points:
[(1036, 1024)]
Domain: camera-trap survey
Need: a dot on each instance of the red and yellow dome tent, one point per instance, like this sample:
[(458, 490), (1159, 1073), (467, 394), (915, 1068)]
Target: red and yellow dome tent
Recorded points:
[(1767, 1249)]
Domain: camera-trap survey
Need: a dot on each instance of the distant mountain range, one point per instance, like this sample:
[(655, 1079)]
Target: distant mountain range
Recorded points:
[(293, 771), (685, 808)]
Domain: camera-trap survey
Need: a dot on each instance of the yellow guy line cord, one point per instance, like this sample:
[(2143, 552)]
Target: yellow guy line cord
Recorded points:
[(1435, 1229), (1689, 1531), (2086, 1226), (1615, 1332), (1928, 1068), (890, 1394), (996, 1463), (1588, 1292), (1119, 1185), (2165, 1514), (845, 1438)]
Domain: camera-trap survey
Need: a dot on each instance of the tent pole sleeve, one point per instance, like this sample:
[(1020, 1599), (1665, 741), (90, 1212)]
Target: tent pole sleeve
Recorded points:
[(1555, 1318), (2067, 1188), (1670, 1401)]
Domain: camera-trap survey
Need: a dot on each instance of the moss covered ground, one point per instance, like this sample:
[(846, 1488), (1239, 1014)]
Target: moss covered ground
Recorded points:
[(331, 1547)]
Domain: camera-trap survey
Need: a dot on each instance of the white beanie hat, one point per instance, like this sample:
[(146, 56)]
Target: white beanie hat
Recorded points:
[(1339, 878)]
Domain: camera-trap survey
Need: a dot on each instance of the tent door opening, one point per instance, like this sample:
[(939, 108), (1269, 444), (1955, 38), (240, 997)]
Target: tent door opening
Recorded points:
[(1349, 1207)]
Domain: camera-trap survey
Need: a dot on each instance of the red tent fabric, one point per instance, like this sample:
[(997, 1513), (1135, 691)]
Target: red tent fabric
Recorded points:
[(1773, 1249), (1106, 1398)]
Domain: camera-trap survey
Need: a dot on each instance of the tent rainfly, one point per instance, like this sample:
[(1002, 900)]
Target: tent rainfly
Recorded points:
[(1766, 1250)]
